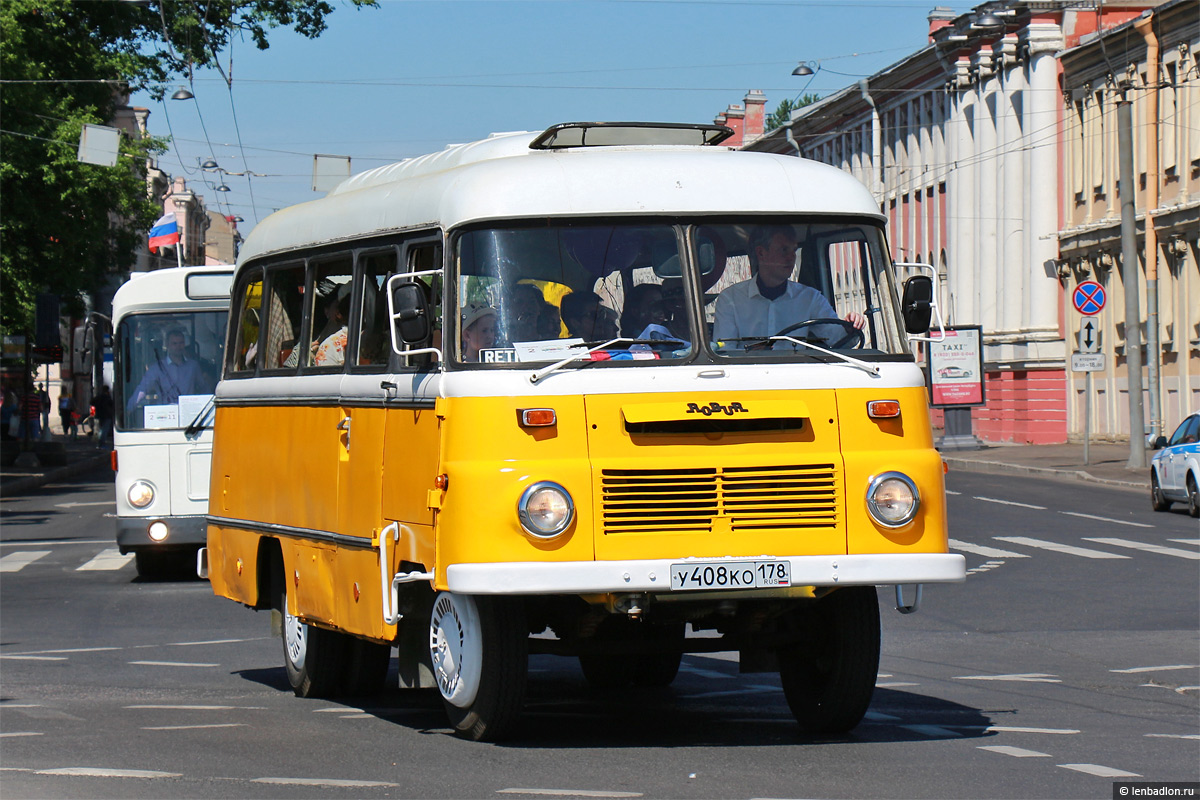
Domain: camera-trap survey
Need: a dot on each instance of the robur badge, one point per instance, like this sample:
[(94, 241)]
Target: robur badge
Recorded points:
[(717, 408)]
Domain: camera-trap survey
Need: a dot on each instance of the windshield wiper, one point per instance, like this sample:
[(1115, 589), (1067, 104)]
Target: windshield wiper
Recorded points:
[(854, 362), (197, 424), (544, 371)]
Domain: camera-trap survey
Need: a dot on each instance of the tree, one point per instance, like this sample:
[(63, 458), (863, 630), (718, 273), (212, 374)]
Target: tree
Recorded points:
[(782, 114), (65, 224)]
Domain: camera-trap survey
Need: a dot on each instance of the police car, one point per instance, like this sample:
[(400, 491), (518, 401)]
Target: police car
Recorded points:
[(1175, 468)]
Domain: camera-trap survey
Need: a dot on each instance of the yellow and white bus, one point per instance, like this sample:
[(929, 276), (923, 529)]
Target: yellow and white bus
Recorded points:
[(534, 394), (169, 330)]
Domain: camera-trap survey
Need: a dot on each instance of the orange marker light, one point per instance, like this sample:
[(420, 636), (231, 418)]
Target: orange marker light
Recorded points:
[(883, 409), (538, 417)]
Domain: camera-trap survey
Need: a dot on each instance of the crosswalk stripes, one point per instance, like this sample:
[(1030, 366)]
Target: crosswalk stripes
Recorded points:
[(107, 559), (1149, 548), (1058, 548), (15, 562)]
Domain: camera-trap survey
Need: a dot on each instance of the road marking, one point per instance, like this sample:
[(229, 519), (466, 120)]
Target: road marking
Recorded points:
[(170, 664), (1185, 689), (213, 641), (70, 650), (100, 772), (1185, 541), (1173, 735), (33, 658), (81, 505), (321, 782), (54, 543), (194, 727), (956, 494), (1157, 669), (893, 684), (752, 689), (108, 559), (37, 733), (1015, 752), (986, 552), (1100, 771), (932, 730), (1024, 677), (1149, 548), (704, 673), (1011, 503), (15, 562), (879, 716), (569, 792), (1005, 729), (195, 708), (1106, 519), (1058, 548)]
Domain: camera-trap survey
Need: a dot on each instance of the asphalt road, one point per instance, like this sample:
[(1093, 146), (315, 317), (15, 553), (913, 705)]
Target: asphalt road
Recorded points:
[(1069, 660)]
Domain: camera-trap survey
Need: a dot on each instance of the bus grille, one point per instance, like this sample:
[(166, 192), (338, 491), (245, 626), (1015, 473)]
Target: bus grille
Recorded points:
[(688, 500)]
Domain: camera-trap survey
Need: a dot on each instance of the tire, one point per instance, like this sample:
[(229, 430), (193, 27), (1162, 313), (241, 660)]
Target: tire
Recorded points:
[(479, 647), (621, 669), (366, 667), (1157, 501), (1193, 496), (828, 676), (314, 658), (165, 564)]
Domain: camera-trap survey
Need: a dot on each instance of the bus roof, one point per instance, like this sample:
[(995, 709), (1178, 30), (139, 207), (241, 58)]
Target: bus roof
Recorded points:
[(174, 287), (503, 177)]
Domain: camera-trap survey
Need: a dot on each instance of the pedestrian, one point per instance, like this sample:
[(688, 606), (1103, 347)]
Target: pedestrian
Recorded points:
[(102, 404), (67, 414), (10, 419), (31, 415), (45, 405)]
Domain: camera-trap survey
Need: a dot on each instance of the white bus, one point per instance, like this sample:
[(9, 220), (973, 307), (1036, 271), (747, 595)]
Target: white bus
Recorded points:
[(169, 336)]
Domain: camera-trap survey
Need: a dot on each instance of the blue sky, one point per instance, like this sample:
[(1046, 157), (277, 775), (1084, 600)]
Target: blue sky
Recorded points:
[(412, 76)]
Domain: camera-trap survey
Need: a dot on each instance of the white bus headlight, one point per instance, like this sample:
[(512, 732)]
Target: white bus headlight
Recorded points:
[(545, 509), (892, 499), (140, 494), (158, 531)]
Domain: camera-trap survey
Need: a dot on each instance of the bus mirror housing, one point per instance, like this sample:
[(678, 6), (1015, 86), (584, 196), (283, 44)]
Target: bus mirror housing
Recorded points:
[(409, 312), (917, 305)]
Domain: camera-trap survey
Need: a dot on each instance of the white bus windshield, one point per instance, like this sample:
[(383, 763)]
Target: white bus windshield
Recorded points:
[(167, 368), (746, 289)]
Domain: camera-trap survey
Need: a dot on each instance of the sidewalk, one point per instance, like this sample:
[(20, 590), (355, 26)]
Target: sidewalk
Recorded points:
[(1107, 464)]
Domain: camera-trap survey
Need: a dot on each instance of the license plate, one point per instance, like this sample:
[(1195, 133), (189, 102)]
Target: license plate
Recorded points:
[(730, 575)]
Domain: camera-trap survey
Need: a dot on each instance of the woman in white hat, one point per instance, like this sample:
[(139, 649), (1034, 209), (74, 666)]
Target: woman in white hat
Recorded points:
[(478, 330)]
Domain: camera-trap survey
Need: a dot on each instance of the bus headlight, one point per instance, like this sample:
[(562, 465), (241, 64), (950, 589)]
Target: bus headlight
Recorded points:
[(158, 531), (893, 499), (545, 509), (140, 494)]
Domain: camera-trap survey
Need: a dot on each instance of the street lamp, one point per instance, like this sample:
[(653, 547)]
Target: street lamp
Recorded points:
[(182, 94), (805, 68)]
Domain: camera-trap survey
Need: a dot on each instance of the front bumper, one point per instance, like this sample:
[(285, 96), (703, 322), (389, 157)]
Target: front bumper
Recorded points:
[(133, 532), (598, 577)]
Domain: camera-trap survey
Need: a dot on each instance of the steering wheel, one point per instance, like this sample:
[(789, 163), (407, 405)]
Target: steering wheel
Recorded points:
[(853, 334)]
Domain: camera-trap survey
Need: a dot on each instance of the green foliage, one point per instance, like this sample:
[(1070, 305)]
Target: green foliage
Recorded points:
[(65, 225), (782, 114)]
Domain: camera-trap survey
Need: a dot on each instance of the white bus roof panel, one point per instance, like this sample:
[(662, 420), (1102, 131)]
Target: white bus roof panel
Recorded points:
[(501, 178), (175, 287)]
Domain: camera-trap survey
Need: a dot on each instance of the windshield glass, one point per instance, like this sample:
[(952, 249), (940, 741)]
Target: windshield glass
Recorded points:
[(166, 368), (760, 289)]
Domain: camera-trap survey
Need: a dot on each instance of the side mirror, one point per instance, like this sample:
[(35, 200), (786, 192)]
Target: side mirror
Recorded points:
[(917, 303), (1160, 443), (409, 311)]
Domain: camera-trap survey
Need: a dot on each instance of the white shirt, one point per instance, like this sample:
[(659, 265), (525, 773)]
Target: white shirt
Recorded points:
[(742, 311)]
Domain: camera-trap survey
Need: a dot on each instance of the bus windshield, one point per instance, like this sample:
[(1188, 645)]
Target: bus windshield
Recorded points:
[(761, 289), (167, 366)]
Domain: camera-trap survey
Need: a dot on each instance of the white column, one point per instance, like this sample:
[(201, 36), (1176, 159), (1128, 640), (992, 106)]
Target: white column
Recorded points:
[(1042, 109)]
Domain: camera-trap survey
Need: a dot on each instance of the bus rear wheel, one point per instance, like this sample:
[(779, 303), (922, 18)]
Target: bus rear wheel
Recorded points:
[(829, 674), (314, 658), (479, 647)]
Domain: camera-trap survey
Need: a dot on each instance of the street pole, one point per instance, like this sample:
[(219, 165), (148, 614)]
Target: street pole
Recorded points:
[(1130, 276)]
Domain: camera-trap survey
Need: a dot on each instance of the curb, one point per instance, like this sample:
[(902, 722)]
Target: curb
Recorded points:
[(973, 465), (34, 480)]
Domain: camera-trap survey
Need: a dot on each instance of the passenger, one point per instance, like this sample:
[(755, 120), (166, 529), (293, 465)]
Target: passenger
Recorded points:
[(332, 348), (587, 318), (524, 312), (769, 301), (478, 330), (645, 314)]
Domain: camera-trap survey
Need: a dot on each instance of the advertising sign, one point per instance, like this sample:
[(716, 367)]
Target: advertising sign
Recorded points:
[(956, 368)]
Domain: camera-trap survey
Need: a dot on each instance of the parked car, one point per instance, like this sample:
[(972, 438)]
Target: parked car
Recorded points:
[(1175, 468)]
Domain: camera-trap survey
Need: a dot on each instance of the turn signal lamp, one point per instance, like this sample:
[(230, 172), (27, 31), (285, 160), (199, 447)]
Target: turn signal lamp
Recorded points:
[(538, 417), (883, 409)]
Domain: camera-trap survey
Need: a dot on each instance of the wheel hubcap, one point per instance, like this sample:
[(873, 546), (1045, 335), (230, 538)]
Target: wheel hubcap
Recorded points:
[(456, 647), (295, 635)]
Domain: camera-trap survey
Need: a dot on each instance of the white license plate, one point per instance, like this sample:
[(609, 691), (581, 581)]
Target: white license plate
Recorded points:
[(730, 575)]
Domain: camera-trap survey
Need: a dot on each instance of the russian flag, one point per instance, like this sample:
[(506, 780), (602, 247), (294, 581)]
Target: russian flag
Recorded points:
[(165, 232)]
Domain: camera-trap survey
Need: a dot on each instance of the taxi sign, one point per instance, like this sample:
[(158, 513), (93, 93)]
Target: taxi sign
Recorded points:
[(1089, 298)]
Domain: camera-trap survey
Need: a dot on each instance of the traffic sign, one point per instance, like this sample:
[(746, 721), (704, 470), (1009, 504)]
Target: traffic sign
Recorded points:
[(1089, 298), (1089, 336), (1087, 362)]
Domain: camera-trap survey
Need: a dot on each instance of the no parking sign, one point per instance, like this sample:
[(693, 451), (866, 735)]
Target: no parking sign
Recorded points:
[(1089, 298)]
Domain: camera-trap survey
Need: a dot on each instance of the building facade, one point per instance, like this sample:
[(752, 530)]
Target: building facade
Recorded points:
[(963, 145)]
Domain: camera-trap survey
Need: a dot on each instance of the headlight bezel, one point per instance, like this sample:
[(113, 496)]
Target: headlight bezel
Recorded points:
[(874, 508), (527, 517), (149, 495)]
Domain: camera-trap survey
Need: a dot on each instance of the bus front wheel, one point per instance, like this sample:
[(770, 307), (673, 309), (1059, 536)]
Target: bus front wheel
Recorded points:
[(829, 673), (313, 657), (480, 653)]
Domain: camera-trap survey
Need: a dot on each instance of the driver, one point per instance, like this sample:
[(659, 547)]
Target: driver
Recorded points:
[(769, 302)]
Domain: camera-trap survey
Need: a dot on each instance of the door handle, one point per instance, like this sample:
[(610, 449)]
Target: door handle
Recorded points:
[(344, 425)]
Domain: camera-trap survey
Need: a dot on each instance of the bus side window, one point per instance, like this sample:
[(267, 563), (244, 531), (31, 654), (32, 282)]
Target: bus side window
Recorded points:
[(329, 313), (374, 344), (245, 353), (281, 348)]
